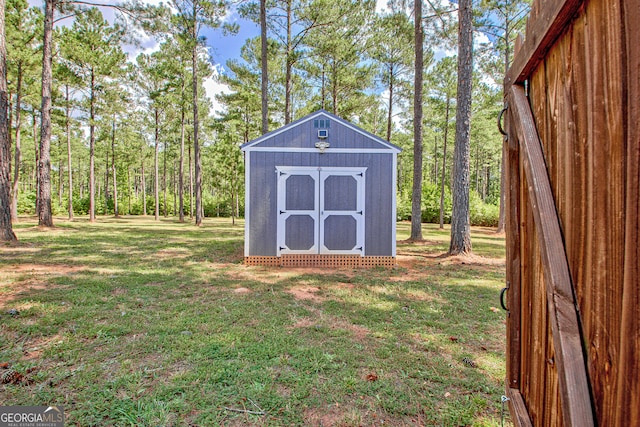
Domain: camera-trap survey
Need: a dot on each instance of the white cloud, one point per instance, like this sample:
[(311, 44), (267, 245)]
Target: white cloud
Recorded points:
[(381, 6), (213, 87)]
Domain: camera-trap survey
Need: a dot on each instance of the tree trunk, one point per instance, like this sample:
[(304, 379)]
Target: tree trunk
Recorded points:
[(477, 168), (105, 211), (502, 217), (173, 188), (460, 226), (60, 174), (144, 189), (288, 72), (196, 145), (416, 194), (190, 179), (45, 217), (6, 229), (265, 68), (434, 176), (181, 167), (444, 160), (129, 189), (69, 164), (164, 180), (36, 151), (113, 169), (156, 188), (334, 87), (18, 150), (323, 90), (92, 146), (390, 114)]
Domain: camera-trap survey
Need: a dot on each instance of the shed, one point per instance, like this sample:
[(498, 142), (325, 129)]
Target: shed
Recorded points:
[(573, 224), (320, 191)]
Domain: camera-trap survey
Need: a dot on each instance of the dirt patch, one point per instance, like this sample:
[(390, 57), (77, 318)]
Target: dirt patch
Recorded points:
[(172, 253), (274, 275), (471, 260), (306, 293), (21, 279), (332, 415), (358, 332), (359, 411), (305, 322), (57, 269), (242, 291), (118, 291)]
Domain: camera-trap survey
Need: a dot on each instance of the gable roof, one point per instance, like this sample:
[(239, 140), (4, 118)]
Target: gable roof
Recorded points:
[(321, 113)]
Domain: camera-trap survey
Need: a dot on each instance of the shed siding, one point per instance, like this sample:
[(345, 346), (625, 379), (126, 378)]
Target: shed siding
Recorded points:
[(304, 135), (585, 97), (263, 196)]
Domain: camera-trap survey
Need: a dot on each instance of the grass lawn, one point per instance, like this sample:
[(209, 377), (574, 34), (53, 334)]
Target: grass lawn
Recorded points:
[(132, 322)]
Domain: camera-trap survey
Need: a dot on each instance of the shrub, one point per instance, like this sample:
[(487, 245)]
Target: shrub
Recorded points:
[(481, 213), (27, 203)]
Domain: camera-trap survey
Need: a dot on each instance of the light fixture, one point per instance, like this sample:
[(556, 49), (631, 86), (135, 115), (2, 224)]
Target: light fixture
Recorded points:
[(322, 145)]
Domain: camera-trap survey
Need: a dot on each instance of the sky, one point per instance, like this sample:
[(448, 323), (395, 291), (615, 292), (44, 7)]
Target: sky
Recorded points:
[(221, 47), (225, 47)]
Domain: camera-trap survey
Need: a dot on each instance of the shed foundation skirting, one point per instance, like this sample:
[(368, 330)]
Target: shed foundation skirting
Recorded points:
[(325, 261)]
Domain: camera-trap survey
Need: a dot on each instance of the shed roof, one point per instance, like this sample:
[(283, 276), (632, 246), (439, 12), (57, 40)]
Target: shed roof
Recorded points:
[(383, 145)]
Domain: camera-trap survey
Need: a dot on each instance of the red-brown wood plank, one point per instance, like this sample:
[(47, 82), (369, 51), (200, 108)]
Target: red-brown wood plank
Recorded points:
[(518, 409), (512, 179), (629, 354), (573, 379), (542, 30)]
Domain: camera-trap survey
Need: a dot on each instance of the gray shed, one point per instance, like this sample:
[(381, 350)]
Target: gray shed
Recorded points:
[(320, 192)]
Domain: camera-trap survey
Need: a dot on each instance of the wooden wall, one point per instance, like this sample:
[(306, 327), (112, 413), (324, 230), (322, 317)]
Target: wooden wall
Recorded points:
[(584, 93)]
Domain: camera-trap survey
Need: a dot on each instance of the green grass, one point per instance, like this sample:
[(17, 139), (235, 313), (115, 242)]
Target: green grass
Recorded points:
[(131, 322)]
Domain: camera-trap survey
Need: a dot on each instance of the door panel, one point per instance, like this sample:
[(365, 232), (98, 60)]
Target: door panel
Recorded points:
[(300, 233), (297, 211), (342, 211), (300, 193), (320, 210)]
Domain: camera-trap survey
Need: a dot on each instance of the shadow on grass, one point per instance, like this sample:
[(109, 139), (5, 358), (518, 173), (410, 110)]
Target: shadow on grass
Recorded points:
[(133, 322)]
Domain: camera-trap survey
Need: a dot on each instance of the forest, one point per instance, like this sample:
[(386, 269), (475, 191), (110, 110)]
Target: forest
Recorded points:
[(133, 132)]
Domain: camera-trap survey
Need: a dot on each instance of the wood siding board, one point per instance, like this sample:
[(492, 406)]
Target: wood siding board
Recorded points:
[(263, 201), (526, 288), (513, 256), (575, 152), (628, 385), (518, 409), (605, 201), (247, 210), (573, 380), (545, 25), (539, 398), (538, 325)]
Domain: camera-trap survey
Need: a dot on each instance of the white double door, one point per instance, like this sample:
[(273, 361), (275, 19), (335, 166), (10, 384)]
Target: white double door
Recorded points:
[(320, 210)]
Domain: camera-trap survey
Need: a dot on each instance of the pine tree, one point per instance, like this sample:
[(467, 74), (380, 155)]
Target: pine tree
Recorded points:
[(416, 194), (460, 224), (192, 15), (23, 29), (6, 229), (93, 50), (392, 51)]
